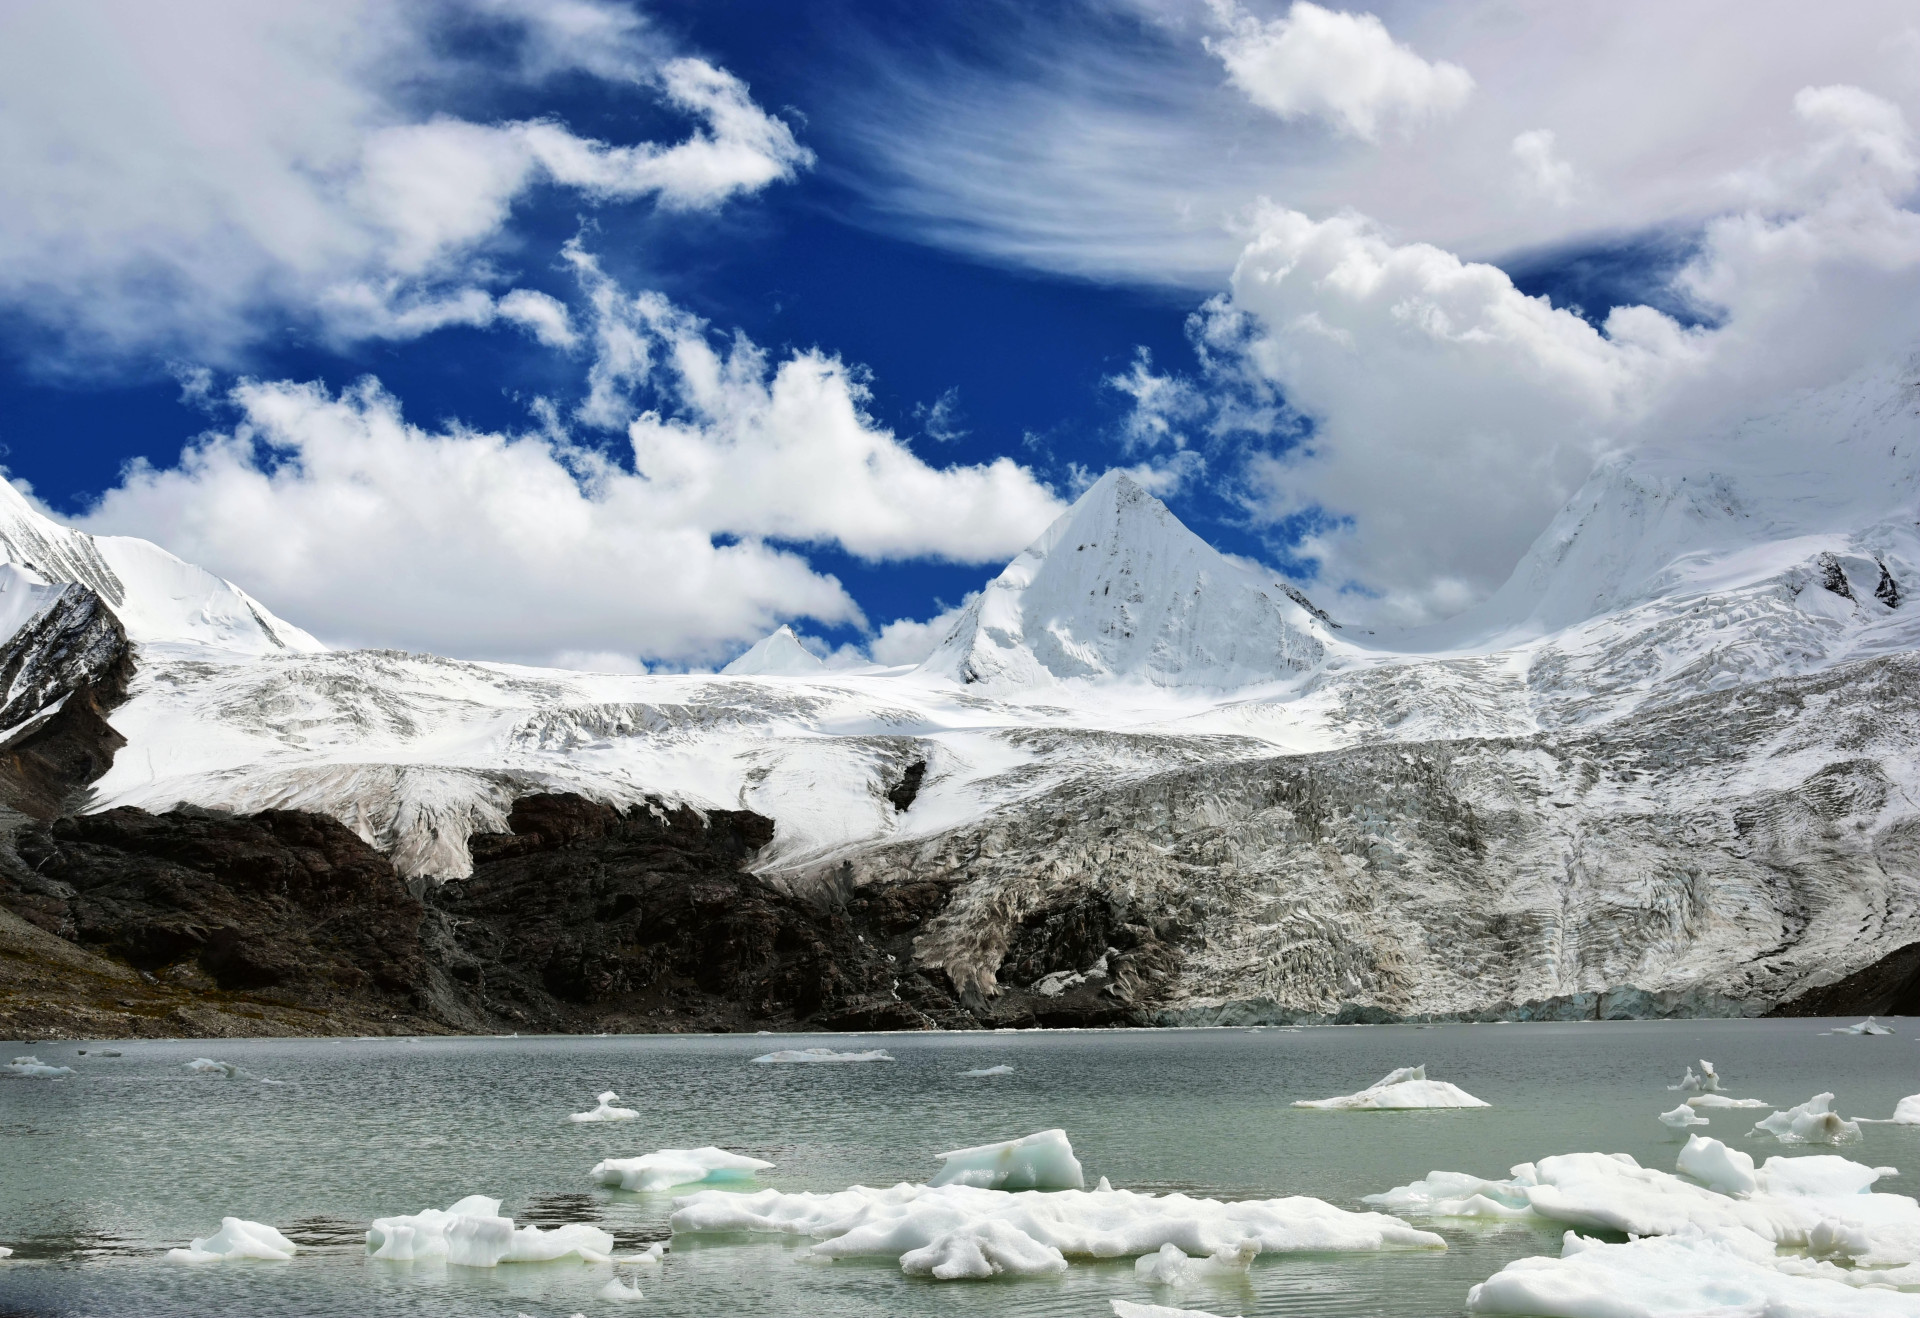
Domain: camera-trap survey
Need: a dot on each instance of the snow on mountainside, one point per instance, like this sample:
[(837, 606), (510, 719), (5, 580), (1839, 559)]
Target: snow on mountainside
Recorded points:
[(158, 598), (778, 655), (1117, 587), (1672, 764)]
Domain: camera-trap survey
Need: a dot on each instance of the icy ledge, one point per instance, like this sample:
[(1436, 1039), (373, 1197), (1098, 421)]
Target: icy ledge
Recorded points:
[(1401, 1090)]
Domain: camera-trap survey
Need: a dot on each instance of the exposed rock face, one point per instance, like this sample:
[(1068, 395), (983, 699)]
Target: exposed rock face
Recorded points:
[(60, 673)]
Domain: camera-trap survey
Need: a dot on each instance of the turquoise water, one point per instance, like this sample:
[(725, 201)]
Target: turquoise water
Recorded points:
[(102, 1173)]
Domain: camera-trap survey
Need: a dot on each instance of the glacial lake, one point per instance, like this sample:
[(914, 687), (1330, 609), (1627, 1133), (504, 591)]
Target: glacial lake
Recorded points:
[(103, 1172)]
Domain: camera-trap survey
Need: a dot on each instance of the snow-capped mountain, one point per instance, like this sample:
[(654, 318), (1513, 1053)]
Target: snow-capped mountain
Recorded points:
[(1118, 587), (1671, 766)]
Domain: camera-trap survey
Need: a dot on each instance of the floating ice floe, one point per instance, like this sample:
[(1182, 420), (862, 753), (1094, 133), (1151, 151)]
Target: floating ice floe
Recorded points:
[(1813, 1122), (6, 1252), (1725, 1101), (606, 1111), (1399, 1090), (37, 1069), (1173, 1266), (1867, 1026), (473, 1234), (237, 1238), (822, 1055), (1042, 1161), (1682, 1117), (619, 1293), (961, 1231), (208, 1066), (1128, 1309), (1907, 1111), (1707, 1082), (1821, 1207), (1002, 1069), (666, 1168)]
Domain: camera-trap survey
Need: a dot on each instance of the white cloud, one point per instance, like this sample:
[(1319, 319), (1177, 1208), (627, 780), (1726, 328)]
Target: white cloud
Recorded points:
[(1344, 69), (1542, 173), (904, 641), (369, 530), (1455, 414), (184, 178)]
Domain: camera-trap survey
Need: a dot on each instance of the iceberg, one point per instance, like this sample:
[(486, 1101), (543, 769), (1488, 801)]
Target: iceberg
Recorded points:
[(237, 1238), (1725, 1101), (472, 1234), (1907, 1111), (1173, 1266), (1404, 1089), (208, 1066), (822, 1055), (606, 1111), (1128, 1309), (989, 1070), (953, 1231), (33, 1066), (666, 1168), (6, 1252), (1813, 1122), (618, 1292), (1707, 1082), (1865, 1027), (1682, 1117), (1717, 1167), (1042, 1161)]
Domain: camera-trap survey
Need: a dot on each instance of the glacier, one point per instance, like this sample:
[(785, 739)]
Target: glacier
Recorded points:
[(1668, 768)]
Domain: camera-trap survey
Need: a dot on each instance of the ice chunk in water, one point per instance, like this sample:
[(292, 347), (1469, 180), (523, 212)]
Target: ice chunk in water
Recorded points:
[(606, 1111), (1907, 1111), (34, 1067), (1867, 1026), (5, 1252), (1173, 1266), (237, 1238), (1710, 1101), (822, 1055), (619, 1293), (666, 1168), (1716, 1166), (1042, 1161), (1128, 1309), (208, 1066), (990, 1070), (1707, 1082), (1682, 1117), (1403, 1089), (982, 1249), (1455, 1194), (473, 1234), (1813, 1122)]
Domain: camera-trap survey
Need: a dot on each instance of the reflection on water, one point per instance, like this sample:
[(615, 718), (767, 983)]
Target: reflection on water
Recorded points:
[(104, 1172)]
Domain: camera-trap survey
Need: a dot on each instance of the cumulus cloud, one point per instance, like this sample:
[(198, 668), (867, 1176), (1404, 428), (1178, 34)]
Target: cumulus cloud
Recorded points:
[(1345, 69), (181, 179), (367, 529), (1541, 171), (1454, 413), (904, 641)]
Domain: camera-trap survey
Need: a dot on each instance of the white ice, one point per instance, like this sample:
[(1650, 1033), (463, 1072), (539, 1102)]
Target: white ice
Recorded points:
[(473, 1234), (6, 1251), (1813, 1122), (1128, 1309), (208, 1066), (954, 1231), (33, 1066), (1707, 1082), (1403, 1089), (1867, 1026), (822, 1055), (1725, 1101), (1173, 1266), (618, 1292), (1723, 1274), (1682, 1117), (237, 1238), (666, 1168), (1907, 1111), (1041, 1161), (606, 1111), (989, 1070)]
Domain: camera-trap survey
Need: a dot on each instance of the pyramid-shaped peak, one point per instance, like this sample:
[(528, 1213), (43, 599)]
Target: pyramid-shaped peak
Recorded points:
[(1119, 587), (777, 655)]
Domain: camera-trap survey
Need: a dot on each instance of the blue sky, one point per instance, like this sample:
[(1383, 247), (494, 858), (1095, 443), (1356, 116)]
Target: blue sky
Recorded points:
[(974, 219)]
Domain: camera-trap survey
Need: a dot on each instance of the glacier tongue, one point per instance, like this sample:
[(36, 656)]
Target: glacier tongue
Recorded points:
[(1117, 587)]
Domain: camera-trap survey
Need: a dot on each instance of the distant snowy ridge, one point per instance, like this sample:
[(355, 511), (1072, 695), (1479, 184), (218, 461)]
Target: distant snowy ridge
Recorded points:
[(778, 655)]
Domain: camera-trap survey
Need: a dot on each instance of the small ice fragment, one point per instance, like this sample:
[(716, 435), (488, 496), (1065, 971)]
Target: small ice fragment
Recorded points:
[(208, 1066), (237, 1238), (1456, 1194), (1105, 1186), (1813, 1122), (1724, 1101), (1173, 1267), (990, 1070), (666, 1168), (33, 1066), (5, 1252), (977, 1250), (648, 1258), (1403, 1089), (1867, 1026), (1128, 1309), (1907, 1111), (822, 1055), (1042, 1161), (606, 1111), (618, 1293), (1707, 1082), (1682, 1117), (1714, 1165), (473, 1234)]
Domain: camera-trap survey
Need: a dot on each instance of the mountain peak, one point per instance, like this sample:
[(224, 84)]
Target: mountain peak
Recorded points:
[(1119, 587), (777, 655)]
